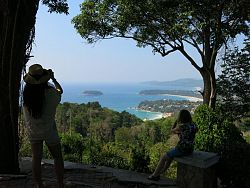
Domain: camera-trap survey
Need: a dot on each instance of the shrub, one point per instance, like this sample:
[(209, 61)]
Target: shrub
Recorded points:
[(155, 153), (219, 135), (72, 147), (111, 156), (140, 159), (25, 149)]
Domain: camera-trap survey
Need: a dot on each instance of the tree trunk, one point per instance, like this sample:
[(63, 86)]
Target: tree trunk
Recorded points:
[(213, 94), (17, 19), (209, 92)]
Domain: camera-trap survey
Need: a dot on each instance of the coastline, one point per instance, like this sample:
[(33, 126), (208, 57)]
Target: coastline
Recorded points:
[(120, 97), (156, 115), (189, 98), (160, 115)]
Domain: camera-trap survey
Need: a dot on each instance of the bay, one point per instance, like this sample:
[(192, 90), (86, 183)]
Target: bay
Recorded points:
[(118, 96)]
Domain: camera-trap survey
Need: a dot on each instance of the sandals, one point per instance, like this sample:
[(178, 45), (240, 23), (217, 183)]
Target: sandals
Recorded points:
[(154, 178)]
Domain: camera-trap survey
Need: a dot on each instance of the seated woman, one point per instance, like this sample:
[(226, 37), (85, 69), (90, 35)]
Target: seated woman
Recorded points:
[(186, 129)]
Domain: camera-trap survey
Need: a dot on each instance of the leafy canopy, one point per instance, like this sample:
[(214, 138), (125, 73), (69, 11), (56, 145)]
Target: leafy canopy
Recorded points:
[(165, 25), (234, 83), (220, 135), (58, 6)]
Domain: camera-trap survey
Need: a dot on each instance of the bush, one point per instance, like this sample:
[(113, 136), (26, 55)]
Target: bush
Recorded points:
[(219, 135), (25, 149), (111, 156), (72, 147), (155, 153), (140, 159)]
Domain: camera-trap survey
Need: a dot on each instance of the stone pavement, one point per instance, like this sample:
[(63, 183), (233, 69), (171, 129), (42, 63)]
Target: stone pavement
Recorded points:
[(87, 176)]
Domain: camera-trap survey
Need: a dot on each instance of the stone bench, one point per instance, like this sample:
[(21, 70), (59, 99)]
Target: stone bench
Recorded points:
[(197, 170)]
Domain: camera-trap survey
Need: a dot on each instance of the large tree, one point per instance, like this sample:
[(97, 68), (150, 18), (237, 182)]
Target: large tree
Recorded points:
[(169, 26), (17, 20)]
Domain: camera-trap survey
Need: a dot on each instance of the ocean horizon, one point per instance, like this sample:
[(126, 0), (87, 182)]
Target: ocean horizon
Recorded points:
[(119, 96)]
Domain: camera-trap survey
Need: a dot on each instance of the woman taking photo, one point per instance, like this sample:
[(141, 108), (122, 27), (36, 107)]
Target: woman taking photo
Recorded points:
[(186, 130), (40, 100)]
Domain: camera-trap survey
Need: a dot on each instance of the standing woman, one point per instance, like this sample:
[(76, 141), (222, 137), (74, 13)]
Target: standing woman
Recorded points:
[(39, 106)]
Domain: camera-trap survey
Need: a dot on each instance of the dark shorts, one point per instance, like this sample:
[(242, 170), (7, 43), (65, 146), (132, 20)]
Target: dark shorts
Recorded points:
[(176, 153)]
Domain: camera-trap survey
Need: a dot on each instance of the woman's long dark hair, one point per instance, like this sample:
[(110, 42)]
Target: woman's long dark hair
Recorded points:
[(33, 98), (184, 117)]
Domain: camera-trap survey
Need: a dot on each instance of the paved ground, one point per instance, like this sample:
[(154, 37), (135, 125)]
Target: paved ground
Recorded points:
[(77, 176)]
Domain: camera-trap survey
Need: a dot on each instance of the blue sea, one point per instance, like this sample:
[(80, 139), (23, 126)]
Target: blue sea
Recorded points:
[(118, 97)]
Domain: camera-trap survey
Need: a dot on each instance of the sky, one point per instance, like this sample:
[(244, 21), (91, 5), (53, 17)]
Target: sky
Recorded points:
[(59, 47)]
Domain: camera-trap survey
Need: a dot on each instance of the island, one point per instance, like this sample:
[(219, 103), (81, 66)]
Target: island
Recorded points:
[(92, 93), (187, 82)]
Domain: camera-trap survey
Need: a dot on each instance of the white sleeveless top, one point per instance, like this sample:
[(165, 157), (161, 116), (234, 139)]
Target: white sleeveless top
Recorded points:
[(43, 127)]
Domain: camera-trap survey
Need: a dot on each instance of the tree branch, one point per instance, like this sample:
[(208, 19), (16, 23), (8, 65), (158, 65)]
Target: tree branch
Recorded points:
[(194, 44), (190, 59), (157, 49)]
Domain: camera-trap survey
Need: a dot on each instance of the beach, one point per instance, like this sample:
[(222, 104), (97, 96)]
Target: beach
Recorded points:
[(189, 98), (159, 115)]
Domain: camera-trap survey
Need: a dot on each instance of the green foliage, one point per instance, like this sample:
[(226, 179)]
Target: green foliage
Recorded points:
[(58, 6), (113, 156), (219, 135), (214, 132), (234, 83), (244, 126), (72, 146), (140, 159), (91, 118), (164, 124), (247, 138), (91, 151), (155, 153), (124, 137), (104, 155), (25, 149), (158, 24)]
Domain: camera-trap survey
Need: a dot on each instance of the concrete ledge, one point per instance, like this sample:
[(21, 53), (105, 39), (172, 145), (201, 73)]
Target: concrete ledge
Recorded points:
[(199, 159), (88, 176), (197, 170)]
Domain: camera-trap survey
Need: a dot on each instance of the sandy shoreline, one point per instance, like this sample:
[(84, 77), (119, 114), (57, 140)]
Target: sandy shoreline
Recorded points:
[(189, 98), (158, 115), (161, 115)]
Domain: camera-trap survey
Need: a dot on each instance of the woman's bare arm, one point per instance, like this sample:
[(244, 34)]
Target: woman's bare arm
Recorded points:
[(175, 129), (57, 85)]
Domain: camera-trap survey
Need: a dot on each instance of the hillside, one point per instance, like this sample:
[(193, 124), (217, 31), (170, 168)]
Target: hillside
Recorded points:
[(171, 92)]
